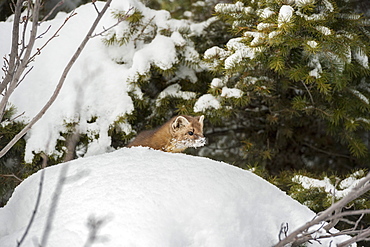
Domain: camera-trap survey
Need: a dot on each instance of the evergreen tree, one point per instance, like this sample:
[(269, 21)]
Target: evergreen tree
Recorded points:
[(296, 81)]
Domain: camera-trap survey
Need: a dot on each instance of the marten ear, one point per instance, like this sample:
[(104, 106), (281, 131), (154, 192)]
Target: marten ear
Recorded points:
[(200, 119), (179, 123)]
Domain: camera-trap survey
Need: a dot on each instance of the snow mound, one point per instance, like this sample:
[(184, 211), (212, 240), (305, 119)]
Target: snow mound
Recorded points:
[(151, 198)]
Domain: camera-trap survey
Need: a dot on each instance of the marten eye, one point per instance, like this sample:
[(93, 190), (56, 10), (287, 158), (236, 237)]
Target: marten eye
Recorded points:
[(191, 133)]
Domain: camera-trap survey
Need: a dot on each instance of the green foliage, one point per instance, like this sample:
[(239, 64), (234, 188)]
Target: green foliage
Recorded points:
[(304, 72), (11, 165)]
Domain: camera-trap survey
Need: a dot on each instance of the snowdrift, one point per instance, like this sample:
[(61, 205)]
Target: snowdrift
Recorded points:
[(150, 198)]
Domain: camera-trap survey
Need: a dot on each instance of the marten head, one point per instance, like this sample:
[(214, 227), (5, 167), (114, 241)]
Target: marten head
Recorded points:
[(187, 131)]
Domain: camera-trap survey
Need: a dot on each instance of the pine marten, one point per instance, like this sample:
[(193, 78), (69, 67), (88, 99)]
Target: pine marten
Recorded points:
[(174, 136)]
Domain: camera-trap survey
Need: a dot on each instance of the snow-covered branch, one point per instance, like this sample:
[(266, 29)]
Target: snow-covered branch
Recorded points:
[(330, 217)]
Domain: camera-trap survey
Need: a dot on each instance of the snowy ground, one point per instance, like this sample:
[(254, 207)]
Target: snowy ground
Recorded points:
[(152, 198)]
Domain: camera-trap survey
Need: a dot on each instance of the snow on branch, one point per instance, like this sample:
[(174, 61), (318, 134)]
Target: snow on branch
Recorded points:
[(328, 218)]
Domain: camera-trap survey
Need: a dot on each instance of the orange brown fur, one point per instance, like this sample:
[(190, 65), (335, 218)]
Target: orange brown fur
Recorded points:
[(175, 135)]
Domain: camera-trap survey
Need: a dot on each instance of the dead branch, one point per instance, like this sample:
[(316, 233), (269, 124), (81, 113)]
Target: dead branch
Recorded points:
[(361, 236), (11, 175), (16, 64), (329, 214), (60, 3), (349, 213)]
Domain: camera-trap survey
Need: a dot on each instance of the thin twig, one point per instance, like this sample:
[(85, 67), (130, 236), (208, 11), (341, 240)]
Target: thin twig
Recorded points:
[(349, 213), (114, 25), (14, 118), (11, 175), (42, 34), (309, 93), (53, 36), (52, 10), (358, 221), (361, 236), (96, 8), (24, 76)]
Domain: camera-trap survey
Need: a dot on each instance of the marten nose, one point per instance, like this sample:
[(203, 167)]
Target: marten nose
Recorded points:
[(199, 135)]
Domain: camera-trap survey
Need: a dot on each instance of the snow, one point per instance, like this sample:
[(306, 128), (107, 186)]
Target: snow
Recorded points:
[(360, 96), (174, 91), (151, 198), (312, 43), (302, 3), (328, 8), (230, 8), (265, 13), (100, 81), (323, 30), (198, 28), (160, 52), (361, 57), (261, 26), (206, 101), (317, 68), (217, 82), (285, 14), (258, 37), (338, 191), (231, 92), (241, 51)]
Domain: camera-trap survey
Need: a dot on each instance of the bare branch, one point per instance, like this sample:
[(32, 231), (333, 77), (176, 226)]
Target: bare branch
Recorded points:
[(16, 69), (358, 221), (96, 8), (114, 25), (14, 118), (13, 50), (53, 36), (11, 175), (60, 3), (47, 30), (362, 187), (361, 236), (348, 213), (24, 76)]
